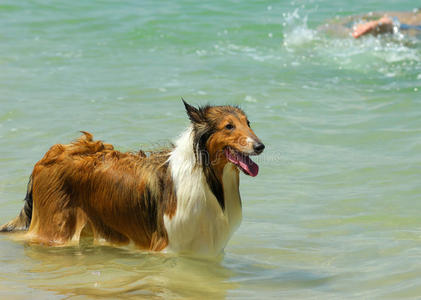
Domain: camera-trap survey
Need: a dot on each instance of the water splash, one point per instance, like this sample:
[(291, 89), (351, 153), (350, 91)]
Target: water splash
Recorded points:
[(296, 31)]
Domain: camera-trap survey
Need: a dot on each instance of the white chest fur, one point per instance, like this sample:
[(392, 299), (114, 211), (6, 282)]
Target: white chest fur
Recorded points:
[(200, 225)]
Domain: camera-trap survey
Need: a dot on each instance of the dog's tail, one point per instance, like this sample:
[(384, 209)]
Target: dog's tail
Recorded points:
[(23, 220)]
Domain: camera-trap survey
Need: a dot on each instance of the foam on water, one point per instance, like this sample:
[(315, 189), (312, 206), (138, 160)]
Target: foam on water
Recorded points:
[(295, 30)]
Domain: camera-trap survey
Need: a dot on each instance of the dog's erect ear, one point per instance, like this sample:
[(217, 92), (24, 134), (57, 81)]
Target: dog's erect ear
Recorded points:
[(195, 115)]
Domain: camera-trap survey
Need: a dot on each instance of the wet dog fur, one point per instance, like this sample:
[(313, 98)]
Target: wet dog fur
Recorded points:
[(181, 199)]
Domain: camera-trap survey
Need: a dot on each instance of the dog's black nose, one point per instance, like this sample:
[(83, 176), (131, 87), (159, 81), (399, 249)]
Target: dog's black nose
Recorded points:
[(258, 148)]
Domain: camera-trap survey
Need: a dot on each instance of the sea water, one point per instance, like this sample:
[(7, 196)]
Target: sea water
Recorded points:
[(335, 210)]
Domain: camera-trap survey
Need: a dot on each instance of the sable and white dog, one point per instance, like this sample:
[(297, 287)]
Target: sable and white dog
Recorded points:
[(184, 199)]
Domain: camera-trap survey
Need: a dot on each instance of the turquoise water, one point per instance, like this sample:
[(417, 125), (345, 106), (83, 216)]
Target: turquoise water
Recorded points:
[(334, 212)]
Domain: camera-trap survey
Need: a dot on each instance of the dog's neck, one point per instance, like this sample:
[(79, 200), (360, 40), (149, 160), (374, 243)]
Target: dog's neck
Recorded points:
[(190, 155), (198, 208)]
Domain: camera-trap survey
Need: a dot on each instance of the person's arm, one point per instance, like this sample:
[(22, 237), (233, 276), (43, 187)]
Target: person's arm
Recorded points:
[(383, 25)]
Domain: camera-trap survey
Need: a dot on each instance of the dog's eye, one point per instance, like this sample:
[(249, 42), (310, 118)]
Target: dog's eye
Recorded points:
[(248, 123), (229, 126)]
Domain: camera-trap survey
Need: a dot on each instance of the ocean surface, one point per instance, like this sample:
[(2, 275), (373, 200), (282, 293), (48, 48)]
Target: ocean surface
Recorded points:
[(333, 214)]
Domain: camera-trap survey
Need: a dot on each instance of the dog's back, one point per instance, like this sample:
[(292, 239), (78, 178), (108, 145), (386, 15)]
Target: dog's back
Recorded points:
[(88, 188)]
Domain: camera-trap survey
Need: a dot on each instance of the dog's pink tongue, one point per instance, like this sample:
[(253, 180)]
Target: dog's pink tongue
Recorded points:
[(249, 166), (244, 162)]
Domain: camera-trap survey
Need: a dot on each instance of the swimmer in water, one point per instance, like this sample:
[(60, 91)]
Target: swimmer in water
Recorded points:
[(376, 23), (389, 23)]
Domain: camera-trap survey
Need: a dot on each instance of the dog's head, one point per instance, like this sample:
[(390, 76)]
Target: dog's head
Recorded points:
[(223, 134)]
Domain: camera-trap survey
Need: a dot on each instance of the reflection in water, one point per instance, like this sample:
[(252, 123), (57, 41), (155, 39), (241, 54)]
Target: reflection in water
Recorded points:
[(103, 271), (107, 272)]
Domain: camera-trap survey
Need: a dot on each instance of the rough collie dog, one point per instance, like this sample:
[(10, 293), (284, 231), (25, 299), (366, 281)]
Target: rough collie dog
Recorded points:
[(184, 199)]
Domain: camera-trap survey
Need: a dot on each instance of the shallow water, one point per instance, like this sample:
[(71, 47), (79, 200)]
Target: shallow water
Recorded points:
[(334, 212)]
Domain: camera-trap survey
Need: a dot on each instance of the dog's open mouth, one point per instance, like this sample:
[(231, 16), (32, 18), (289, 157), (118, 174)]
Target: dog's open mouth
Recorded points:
[(242, 161)]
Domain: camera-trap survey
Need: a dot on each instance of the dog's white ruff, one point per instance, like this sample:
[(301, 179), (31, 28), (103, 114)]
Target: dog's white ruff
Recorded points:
[(199, 224)]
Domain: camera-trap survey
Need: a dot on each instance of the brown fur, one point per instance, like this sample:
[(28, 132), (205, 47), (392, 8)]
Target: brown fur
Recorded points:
[(86, 187)]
